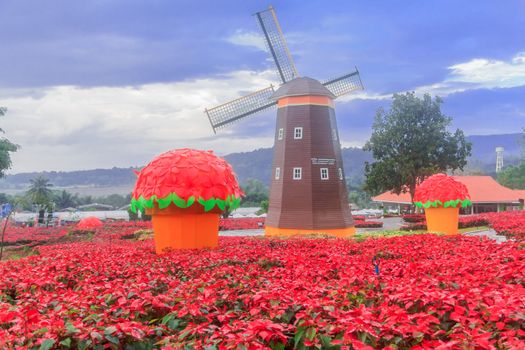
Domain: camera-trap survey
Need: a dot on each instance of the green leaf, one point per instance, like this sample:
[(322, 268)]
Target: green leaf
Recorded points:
[(201, 201), (112, 339), (71, 328), (447, 204), (84, 344), (310, 333), (110, 330), (179, 202), (190, 202), (165, 202), (298, 337), (66, 342), (133, 205), (149, 202), (209, 204), (47, 344), (221, 204)]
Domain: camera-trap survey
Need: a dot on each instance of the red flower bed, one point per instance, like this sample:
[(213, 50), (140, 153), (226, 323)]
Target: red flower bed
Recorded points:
[(412, 226), (367, 224), (240, 223), (509, 223), (431, 292), (473, 221), (24, 234), (413, 217)]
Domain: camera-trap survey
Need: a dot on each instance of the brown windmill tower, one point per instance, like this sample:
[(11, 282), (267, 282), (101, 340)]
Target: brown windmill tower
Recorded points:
[(308, 190)]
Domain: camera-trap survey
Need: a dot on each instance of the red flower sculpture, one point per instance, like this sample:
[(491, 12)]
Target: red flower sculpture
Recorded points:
[(183, 177), (441, 190), (90, 222)]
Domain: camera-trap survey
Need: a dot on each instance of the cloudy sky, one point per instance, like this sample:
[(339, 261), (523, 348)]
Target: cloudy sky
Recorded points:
[(103, 83)]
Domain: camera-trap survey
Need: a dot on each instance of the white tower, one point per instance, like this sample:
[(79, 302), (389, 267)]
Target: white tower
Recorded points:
[(499, 158)]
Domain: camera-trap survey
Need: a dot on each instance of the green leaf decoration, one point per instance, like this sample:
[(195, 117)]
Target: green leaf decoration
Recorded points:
[(418, 204), (209, 204), (165, 202), (149, 202), (133, 205), (142, 203), (179, 202), (221, 204), (447, 204)]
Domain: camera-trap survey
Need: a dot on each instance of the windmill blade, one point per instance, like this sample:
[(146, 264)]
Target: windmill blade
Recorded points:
[(276, 44), (345, 84), (235, 110)]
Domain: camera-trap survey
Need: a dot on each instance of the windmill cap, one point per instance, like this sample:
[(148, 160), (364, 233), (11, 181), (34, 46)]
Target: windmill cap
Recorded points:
[(303, 86)]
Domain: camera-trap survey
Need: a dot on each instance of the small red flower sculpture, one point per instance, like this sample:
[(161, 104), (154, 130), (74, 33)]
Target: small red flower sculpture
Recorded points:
[(90, 222), (441, 190), (183, 177)]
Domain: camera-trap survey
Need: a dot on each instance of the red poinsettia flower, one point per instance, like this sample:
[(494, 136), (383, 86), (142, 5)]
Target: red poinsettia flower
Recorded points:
[(441, 190), (183, 177), (90, 222)]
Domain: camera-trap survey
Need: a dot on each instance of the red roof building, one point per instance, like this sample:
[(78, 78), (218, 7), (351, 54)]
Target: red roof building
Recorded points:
[(486, 195)]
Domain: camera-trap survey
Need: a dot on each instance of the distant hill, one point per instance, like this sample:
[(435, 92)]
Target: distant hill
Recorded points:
[(483, 146), (252, 165)]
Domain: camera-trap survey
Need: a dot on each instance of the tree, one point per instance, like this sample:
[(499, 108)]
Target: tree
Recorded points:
[(411, 142), (254, 193), (513, 176), (64, 199), (6, 147), (40, 194)]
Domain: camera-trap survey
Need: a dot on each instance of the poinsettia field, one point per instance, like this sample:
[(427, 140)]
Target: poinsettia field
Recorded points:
[(255, 293)]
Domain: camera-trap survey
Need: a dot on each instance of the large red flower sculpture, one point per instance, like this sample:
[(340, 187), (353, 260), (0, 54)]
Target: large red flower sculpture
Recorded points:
[(186, 176), (441, 190), (90, 222)]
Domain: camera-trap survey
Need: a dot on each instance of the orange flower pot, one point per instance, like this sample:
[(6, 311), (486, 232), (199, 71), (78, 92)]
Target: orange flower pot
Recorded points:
[(190, 228), (442, 220)]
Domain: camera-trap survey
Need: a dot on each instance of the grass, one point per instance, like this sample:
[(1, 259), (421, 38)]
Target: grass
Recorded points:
[(395, 233), (19, 253)]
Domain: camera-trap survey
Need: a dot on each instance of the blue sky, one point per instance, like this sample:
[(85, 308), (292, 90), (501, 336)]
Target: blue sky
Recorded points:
[(112, 83)]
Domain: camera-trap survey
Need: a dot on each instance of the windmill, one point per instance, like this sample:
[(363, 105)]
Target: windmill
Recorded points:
[(308, 190)]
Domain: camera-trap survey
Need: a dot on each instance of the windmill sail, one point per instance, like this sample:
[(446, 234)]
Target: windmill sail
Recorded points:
[(276, 44), (344, 84), (232, 111)]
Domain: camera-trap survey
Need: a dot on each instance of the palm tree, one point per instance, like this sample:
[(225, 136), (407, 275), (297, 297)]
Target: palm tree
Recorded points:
[(64, 199), (40, 194)]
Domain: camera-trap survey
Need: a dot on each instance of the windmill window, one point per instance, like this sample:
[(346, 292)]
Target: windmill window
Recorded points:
[(298, 133), (324, 173), (334, 134), (297, 173), (277, 173), (340, 173), (281, 134)]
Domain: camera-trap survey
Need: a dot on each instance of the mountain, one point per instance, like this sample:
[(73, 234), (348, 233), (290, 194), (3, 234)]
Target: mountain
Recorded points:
[(483, 146), (254, 165)]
